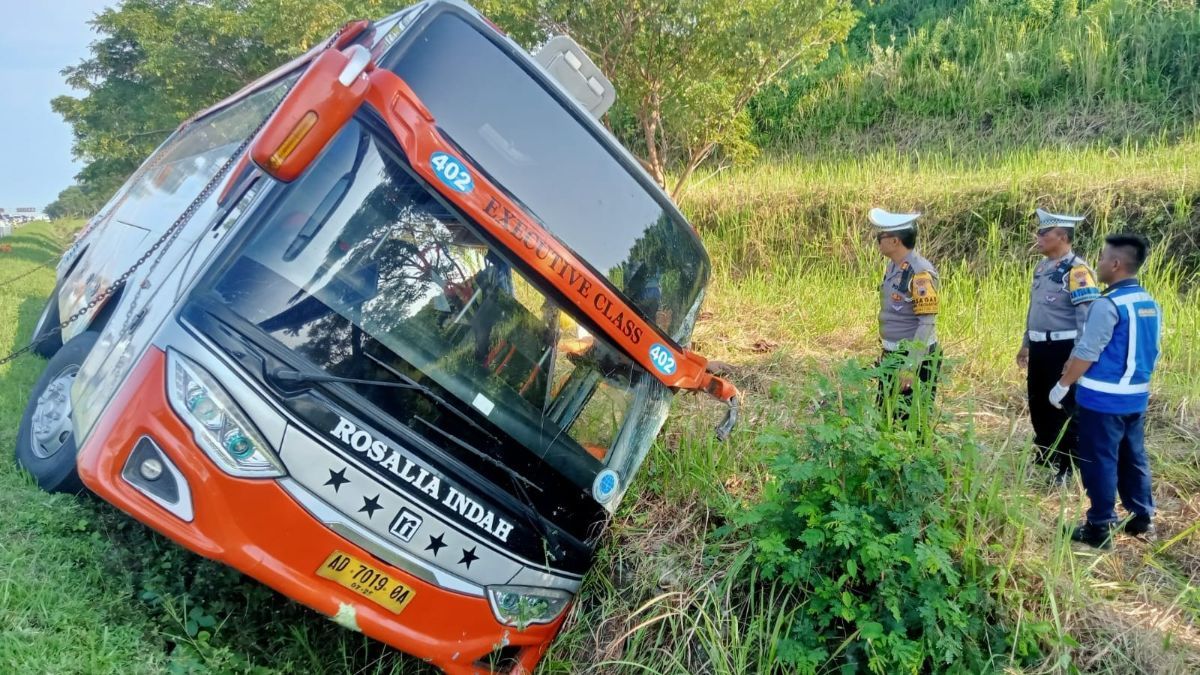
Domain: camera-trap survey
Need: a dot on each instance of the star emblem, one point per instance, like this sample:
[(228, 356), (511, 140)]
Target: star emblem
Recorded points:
[(370, 506), (468, 557), (436, 544), (337, 479)]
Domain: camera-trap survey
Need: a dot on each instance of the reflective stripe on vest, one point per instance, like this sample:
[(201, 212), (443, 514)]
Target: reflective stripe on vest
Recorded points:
[(1126, 303), (1110, 388)]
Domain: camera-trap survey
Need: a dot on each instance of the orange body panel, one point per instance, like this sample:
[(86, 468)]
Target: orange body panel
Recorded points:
[(317, 95), (256, 528)]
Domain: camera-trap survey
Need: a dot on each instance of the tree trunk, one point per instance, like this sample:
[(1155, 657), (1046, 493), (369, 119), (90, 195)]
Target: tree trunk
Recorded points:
[(651, 117), (693, 163)]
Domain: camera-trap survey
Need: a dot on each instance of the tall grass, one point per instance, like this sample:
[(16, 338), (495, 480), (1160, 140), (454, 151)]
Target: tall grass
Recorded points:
[(977, 209), (1008, 73)]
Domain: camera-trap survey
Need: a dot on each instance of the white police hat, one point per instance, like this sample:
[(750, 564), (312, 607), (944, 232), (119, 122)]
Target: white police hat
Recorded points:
[(1047, 219), (891, 222)]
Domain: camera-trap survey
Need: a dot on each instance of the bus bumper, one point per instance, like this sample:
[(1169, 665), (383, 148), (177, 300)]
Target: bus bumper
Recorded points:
[(255, 527)]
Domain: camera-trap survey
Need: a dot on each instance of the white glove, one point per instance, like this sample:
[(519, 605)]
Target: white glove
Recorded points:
[(1057, 394)]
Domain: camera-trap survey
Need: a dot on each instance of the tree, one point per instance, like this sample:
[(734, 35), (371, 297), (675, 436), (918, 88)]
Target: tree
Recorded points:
[(157, 62), (685, 70), (72, 202)]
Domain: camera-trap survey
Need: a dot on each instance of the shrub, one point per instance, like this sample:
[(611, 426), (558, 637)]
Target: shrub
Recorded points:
[(858, 518)]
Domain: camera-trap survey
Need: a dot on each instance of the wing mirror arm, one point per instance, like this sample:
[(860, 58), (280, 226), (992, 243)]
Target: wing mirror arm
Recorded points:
[(360, 60)]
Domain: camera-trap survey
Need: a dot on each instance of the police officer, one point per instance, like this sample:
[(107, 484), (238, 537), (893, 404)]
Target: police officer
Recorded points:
[(908, 309), (1063, 288), (1111, 365)]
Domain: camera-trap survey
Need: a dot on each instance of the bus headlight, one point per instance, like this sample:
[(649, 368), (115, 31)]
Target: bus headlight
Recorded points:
[(218, 425), (99, 377), (522, 606)]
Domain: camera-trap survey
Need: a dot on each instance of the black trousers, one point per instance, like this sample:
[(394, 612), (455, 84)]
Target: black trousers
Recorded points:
[(927, 374), (1054, 431)]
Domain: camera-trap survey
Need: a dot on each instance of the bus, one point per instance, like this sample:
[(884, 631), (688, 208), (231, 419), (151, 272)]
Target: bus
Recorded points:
[(391, 330)]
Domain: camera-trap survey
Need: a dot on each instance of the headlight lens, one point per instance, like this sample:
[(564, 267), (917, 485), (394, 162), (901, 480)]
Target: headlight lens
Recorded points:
[(523, 606), (204, 409), (101, 373), (219, 426)]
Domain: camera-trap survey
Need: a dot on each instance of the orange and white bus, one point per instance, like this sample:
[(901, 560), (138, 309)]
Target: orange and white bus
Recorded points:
[(391, 330)]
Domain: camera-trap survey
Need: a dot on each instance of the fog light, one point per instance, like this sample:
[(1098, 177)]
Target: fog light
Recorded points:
[(151, 469), (151, 473)]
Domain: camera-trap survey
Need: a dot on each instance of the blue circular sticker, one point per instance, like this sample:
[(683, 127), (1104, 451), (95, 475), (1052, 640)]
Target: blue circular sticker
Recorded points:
[(452, 172), (662, 358), (605, 486)]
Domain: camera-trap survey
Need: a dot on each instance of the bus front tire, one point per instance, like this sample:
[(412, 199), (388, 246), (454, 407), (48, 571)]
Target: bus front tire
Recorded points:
[(46, 446)]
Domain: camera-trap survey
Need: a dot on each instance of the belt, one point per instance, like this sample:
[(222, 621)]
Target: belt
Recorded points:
[(1052, 336), (889, 346)]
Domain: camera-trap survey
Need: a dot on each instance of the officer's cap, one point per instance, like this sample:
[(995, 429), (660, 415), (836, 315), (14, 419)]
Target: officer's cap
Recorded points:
[(891, 222), (1047, 219)]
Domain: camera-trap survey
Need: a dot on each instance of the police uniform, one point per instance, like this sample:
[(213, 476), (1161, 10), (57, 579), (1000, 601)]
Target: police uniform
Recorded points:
[(1059, 297), (908, 306)]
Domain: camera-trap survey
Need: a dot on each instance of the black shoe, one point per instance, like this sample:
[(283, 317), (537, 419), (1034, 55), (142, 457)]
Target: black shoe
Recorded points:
[(1096, 536), (1139, 526), (1061, 479)]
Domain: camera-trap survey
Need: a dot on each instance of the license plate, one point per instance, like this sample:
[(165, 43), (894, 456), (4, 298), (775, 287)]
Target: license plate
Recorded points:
[(366, 580)]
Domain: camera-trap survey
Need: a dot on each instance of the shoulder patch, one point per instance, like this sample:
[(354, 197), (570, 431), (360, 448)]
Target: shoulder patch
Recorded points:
[(1082, 285), (924, 294)]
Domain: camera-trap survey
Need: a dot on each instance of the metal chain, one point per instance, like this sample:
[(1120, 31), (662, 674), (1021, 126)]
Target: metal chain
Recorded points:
[(22, 275), (167, 237)]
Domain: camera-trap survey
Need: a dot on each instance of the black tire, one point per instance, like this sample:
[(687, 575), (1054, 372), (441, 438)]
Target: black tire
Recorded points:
[(48, 325), (47, 449)]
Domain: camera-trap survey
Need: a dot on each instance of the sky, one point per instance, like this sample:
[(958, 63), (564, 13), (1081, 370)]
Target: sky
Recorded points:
[(38, 38)]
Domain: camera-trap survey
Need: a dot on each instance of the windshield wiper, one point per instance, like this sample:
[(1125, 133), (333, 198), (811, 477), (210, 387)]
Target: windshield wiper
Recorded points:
[(539, 522), (512, 473), (297, 377)]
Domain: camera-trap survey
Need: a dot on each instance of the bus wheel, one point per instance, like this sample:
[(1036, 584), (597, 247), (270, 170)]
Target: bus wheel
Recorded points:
[(46, 438), (48, 322)]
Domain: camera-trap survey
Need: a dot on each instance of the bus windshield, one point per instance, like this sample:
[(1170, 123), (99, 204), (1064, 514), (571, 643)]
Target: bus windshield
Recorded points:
[(537, 150), (361, 269)]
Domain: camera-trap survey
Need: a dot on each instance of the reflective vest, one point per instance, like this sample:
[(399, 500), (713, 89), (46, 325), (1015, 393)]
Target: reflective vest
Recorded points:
[(1119, 381)]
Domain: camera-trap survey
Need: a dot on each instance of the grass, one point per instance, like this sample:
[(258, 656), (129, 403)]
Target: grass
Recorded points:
[(61, 608), (995, 75), (675, 589)]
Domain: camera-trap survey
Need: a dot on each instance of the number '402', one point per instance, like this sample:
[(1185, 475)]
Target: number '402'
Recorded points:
[(451, 171)]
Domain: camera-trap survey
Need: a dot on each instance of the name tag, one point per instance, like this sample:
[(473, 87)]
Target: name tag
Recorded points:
[(1147, 312)]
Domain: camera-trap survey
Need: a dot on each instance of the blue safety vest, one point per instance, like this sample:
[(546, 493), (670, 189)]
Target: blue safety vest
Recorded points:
[(1119, 382)]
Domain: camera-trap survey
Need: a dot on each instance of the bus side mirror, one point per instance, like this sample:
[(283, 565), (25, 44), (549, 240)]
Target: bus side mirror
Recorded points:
[(316, 108)]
